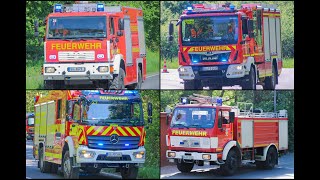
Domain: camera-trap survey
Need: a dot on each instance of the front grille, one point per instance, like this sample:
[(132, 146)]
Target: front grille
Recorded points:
[(103, 142), (103, 157), (218, 57), (211, 73), (74, 56)]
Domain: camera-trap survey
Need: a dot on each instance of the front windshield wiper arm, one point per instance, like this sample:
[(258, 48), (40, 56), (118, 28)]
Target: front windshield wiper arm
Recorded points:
[(180, 125)]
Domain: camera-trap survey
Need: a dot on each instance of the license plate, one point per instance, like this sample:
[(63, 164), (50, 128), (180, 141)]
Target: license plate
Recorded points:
[(114, 154), (76, 69), (187, 157), (209, 68)]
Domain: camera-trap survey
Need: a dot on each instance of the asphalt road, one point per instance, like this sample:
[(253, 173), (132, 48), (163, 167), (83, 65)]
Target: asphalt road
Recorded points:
[(33, 172), (152, 82), (171, 80), (285, 170)]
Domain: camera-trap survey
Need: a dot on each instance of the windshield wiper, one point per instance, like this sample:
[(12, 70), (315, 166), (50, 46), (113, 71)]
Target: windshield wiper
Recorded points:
[(197, 126), (174, 125)]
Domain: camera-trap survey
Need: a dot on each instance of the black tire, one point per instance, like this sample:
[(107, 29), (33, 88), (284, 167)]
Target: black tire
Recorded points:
[(104, 84), (270, 82), (251, 84), (192, 84), (91, 170), (129, 173), (68, 171), (185, 167), (271, 159), (231, 165), (45, 167), (118, 80), (54, 168)]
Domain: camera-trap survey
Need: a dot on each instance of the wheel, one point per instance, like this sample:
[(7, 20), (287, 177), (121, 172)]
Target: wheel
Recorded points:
[(91, 170), (45, 167), (68, 171), (192, 84), (231, 165), (271, 159), (54, 168), (185, 167), (129, 173), (251, 84), (270, 82), (118, 80), (104, 84)]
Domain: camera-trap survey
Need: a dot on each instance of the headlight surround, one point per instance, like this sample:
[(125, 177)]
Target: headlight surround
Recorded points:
[(206, 156), (171, 154), (103, 69), (139, 155), (50, 69), (86, 154)]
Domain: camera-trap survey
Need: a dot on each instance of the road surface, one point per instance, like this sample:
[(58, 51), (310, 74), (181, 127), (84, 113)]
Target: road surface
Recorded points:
[(33, 172), (152, 82), (171, 80), (285, 170)]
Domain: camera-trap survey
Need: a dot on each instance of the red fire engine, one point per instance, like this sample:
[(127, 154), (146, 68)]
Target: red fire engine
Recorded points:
[(90, 130), (223, 46), (29, 126), (206, 132), (94, 44)]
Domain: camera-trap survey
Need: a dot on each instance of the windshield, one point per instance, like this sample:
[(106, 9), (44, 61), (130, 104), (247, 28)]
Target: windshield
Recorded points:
[(77, 27), (193, 117), (210, 30), (103, 114), (30, 121)]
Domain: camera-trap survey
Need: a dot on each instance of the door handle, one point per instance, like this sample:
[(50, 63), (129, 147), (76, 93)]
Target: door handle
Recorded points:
[(58, 135)]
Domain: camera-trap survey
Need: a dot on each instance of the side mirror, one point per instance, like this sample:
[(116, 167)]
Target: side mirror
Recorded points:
[(119, 33), (244, 25), (170, 32), (231, 117), (170, 39), (149, 112), (36, 28), (120, 24)]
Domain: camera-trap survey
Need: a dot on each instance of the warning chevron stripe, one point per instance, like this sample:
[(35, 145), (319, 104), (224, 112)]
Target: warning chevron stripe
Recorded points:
[(137, 130), (122, 131)]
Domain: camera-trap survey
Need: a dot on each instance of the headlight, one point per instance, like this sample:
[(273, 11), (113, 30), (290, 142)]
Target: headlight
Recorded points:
[(239, 67), (138, 155), (50, 69), (206, 156), (103, 68), (86, 154), (171, 154), (182, 69)]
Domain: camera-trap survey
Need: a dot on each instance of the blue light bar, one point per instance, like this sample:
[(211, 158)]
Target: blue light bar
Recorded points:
[(126, 144), (232, 7), (219, 101), (57, 8), (100, 7), (189, 8), (100, 144), (224, 60)]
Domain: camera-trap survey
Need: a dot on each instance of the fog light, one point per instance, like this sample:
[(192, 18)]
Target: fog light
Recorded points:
[(86, 154), (239, 67), (206, 156), (50, 69), (171, 154), (138, 155), (103, 69)]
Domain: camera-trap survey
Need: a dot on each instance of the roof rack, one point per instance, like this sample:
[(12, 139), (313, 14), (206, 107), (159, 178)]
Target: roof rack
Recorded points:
[(246, 110)]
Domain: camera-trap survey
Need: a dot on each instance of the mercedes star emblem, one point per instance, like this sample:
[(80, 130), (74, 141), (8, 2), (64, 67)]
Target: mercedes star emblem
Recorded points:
[(114, 139)]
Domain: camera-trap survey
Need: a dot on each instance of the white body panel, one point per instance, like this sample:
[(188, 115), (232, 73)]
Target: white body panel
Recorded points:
[(283, 135), (278, 37), (247, 134), (194, 155), (266, 38), (273, 40)]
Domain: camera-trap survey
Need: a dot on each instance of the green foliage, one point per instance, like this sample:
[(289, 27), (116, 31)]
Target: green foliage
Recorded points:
[(39, 10), (260, 99), (30, 95), (171, 10), (288, 63)]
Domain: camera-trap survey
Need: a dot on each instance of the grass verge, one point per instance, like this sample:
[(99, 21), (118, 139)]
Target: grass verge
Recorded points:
[(171, 65), (288, 63), (152, 62), (34, 79)]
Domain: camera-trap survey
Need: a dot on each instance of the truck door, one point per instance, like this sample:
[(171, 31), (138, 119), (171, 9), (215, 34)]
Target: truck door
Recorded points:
[(224, 132)]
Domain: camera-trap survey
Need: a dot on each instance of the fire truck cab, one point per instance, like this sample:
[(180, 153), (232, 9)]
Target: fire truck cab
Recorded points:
[(220, 45), (202, 131), (90, 43), (85, 131), (29, 126)]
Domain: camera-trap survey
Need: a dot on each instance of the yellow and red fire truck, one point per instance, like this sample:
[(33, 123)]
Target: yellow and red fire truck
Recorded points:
[(85, 131), (202, 131), (220, 45), (29, 126), (90, 43)]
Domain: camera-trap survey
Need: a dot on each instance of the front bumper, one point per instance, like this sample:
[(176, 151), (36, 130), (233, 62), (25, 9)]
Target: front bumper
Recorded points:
[(90, 73), (99, 153), (192, 156)]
